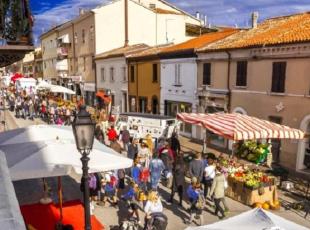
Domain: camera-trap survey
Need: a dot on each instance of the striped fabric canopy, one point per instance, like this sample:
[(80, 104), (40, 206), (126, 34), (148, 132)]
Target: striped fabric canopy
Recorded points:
[(237, 126)]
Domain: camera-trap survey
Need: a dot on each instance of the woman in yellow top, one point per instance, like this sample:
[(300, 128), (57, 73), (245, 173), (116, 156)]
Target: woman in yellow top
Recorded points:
[(149, 142)]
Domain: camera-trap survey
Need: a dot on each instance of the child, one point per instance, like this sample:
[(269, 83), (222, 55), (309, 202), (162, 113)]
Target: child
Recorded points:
[(135, 172), (131, 199)]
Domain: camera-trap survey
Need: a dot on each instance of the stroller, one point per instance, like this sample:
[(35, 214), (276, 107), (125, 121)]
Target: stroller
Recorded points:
[(158, 221)]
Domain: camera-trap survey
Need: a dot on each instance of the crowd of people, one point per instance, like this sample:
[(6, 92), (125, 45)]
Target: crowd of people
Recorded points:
[(155, 163), (28, 104)]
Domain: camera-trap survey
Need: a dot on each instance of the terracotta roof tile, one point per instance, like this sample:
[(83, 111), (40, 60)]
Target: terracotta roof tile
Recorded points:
[(280, 30), (200, 41), (122, 51), (152, 51)]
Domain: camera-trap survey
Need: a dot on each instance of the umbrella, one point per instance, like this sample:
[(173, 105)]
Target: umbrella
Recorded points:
[(61, 89), (48, 151), (43, 85), (255, 219)]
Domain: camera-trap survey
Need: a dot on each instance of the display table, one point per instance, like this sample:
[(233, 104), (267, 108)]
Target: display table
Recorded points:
[(249, 196)]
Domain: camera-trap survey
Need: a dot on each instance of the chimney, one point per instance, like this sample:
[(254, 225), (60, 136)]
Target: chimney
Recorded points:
[(254, 19), (205, 22), (197, 15), (81, 11)]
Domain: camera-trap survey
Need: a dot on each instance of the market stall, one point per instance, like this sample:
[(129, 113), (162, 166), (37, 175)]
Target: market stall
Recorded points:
[(245, 184)]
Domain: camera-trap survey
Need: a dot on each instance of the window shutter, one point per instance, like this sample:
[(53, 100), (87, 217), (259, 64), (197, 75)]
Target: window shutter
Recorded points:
[(206, 74), (278, 77), (241, 79)]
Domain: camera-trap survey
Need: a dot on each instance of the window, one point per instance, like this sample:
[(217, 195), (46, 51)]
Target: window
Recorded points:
[(278, 77), (111, 74), (155, 73), (75, 38), (124, 73), (102, 74), (177, 74), (83, 36), (241, 73), (112, 99), (132, 73), (91, 33), (206, 74)]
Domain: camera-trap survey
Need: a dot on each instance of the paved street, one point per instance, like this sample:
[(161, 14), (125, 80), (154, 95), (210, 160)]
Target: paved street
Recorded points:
[(30, 191)]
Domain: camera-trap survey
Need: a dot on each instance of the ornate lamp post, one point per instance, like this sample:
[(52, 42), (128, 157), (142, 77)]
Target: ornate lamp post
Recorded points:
[(84, 132)]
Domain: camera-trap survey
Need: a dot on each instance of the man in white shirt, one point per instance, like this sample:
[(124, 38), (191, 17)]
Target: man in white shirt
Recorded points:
[(209, 174)]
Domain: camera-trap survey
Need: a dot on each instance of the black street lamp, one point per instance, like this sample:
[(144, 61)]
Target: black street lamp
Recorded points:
[(84, 132)]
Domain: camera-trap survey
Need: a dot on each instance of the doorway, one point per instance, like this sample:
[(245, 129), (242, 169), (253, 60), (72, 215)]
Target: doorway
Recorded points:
[(276, 143), (154, 105)]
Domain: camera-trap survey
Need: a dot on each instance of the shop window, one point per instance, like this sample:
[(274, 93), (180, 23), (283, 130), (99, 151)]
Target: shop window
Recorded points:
[(132, 104), (241, 73), (155, 105), (155, 73), (112, 74), (142, 104), (132, 73), (278, 77), (102, 77), (206, 80), (177, 74)]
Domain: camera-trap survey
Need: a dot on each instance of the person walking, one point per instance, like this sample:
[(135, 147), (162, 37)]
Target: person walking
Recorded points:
[(156, 168), (196, 167), (125, 138), (131, 198), (209, 174), (178, 180), (218, 192), (166, 155), (196, 204), (175, 144)]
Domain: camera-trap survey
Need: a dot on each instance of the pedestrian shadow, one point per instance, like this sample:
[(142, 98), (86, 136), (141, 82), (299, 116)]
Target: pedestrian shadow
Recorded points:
[(175, 209)]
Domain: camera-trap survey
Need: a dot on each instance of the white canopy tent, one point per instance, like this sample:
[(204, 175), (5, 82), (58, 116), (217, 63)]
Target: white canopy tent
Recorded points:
[(43, 85), (255, 219), (10, 215), (61, 89), (49, 151)]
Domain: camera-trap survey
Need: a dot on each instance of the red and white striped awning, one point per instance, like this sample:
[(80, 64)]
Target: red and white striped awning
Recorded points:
[(237, 126)]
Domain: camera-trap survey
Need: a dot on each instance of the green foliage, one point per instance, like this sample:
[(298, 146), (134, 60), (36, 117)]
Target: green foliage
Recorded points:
[(253, 151)]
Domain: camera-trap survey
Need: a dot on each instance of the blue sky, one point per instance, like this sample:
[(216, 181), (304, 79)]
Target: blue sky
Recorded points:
[(219, 12)]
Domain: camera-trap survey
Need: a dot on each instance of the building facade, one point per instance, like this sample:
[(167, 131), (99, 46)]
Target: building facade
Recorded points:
[(144, 81), (112, 74), (263, 76), (152, 22), (49, 55)]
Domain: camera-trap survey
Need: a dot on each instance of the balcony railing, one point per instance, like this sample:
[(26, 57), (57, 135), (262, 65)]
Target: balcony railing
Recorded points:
[(16, 23)]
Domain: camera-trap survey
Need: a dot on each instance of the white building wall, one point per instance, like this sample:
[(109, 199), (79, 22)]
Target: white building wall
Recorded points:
[(144, 26), (186, 92), (119, 86)]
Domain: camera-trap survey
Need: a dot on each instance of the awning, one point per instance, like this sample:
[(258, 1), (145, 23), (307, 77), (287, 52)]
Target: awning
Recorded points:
[(237, 126), (103, 96)]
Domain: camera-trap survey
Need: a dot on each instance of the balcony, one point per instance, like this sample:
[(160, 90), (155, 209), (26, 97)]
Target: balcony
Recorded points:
[(62, 65), (62, 52), (15, 31)]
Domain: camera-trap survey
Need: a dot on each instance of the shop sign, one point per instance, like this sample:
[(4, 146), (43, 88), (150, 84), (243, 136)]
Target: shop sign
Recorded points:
[(89, 87)]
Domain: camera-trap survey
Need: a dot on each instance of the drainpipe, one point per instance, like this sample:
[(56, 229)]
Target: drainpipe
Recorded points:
[(228, 81), (137, 89), (126, 23)]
